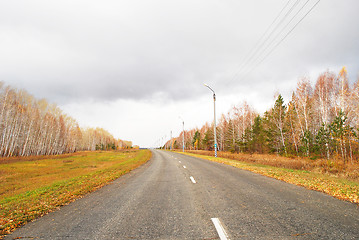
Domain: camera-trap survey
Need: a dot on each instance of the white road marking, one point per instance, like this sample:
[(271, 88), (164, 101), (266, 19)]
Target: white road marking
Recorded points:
[(220, 229), (184, 166), (192, 179)]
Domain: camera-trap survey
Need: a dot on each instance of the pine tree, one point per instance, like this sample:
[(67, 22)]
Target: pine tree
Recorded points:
[(322, 141), (275, 126), (196, 140), (341, 134), (208, 139), (258, 136)]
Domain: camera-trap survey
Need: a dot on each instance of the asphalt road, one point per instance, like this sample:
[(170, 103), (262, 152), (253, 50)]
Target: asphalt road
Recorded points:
[(180, 197)]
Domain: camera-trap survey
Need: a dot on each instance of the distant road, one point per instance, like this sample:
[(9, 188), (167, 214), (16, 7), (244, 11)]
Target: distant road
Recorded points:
[(180, 197)]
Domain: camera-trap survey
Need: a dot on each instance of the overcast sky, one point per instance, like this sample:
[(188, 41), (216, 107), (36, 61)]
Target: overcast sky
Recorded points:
[(134, 66)]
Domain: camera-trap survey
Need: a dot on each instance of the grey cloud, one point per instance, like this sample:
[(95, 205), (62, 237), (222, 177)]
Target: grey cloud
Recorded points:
[(107, 50)]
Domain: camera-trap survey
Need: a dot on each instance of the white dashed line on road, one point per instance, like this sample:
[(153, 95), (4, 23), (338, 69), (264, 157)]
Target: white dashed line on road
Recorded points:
[(220, 229), (192, 179)]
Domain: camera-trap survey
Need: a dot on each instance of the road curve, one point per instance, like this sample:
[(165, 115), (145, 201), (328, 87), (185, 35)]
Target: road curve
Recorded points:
[(174, 196)]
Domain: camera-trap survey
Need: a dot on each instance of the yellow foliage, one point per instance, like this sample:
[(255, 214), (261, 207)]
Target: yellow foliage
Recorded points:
[(196, 144), (343, 71)]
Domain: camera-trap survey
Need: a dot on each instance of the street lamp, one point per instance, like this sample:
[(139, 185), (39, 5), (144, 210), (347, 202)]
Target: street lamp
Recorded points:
[(182, 134), (171, 142), (214, 128)]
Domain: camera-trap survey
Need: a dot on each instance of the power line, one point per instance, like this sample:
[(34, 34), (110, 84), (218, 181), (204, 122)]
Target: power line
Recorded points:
[(250, 59), (279, 33), (248, 55), (262, 49), (290, 31)]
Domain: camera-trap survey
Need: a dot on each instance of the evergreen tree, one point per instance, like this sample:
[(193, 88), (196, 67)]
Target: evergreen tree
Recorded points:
[(275, 126), (322, 141), (257, 144), (230, 137), (341, 134), (208, 139), (270, 133), (196, 139), (306, 140), (279, 113)]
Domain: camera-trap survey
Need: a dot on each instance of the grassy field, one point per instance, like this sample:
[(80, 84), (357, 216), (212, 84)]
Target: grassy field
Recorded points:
[(334, 185), (32, 187)]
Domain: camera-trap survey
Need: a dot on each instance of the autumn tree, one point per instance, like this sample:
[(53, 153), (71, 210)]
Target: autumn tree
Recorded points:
[(276, 126), (35, 127), (321, 121), (301, 105), (196, 140), (323, 95)]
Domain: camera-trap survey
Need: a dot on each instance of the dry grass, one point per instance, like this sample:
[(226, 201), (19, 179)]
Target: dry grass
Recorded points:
[(337, 168), (332, 184), (4, 160), (31, 188)]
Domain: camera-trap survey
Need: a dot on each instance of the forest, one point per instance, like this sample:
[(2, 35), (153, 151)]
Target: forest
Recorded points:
[(319, 121), (35, 127)]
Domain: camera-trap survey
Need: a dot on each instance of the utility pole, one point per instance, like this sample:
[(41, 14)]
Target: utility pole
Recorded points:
[(182, 134), (214, 127), (171, 141)]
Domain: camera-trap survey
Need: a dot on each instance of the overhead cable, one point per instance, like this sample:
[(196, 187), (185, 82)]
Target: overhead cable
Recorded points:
[(249, 54), (247, 62), (281, 40), (265, 48)]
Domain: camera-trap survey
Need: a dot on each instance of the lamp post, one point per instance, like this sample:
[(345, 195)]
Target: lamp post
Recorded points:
[(171, 142), (182, 134), (214, 128)]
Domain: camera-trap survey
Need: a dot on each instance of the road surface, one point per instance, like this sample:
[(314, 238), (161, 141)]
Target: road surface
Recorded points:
[(180, 197)]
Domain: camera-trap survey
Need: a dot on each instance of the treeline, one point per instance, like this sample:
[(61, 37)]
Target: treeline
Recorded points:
[(320, 121), (34, 127)]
